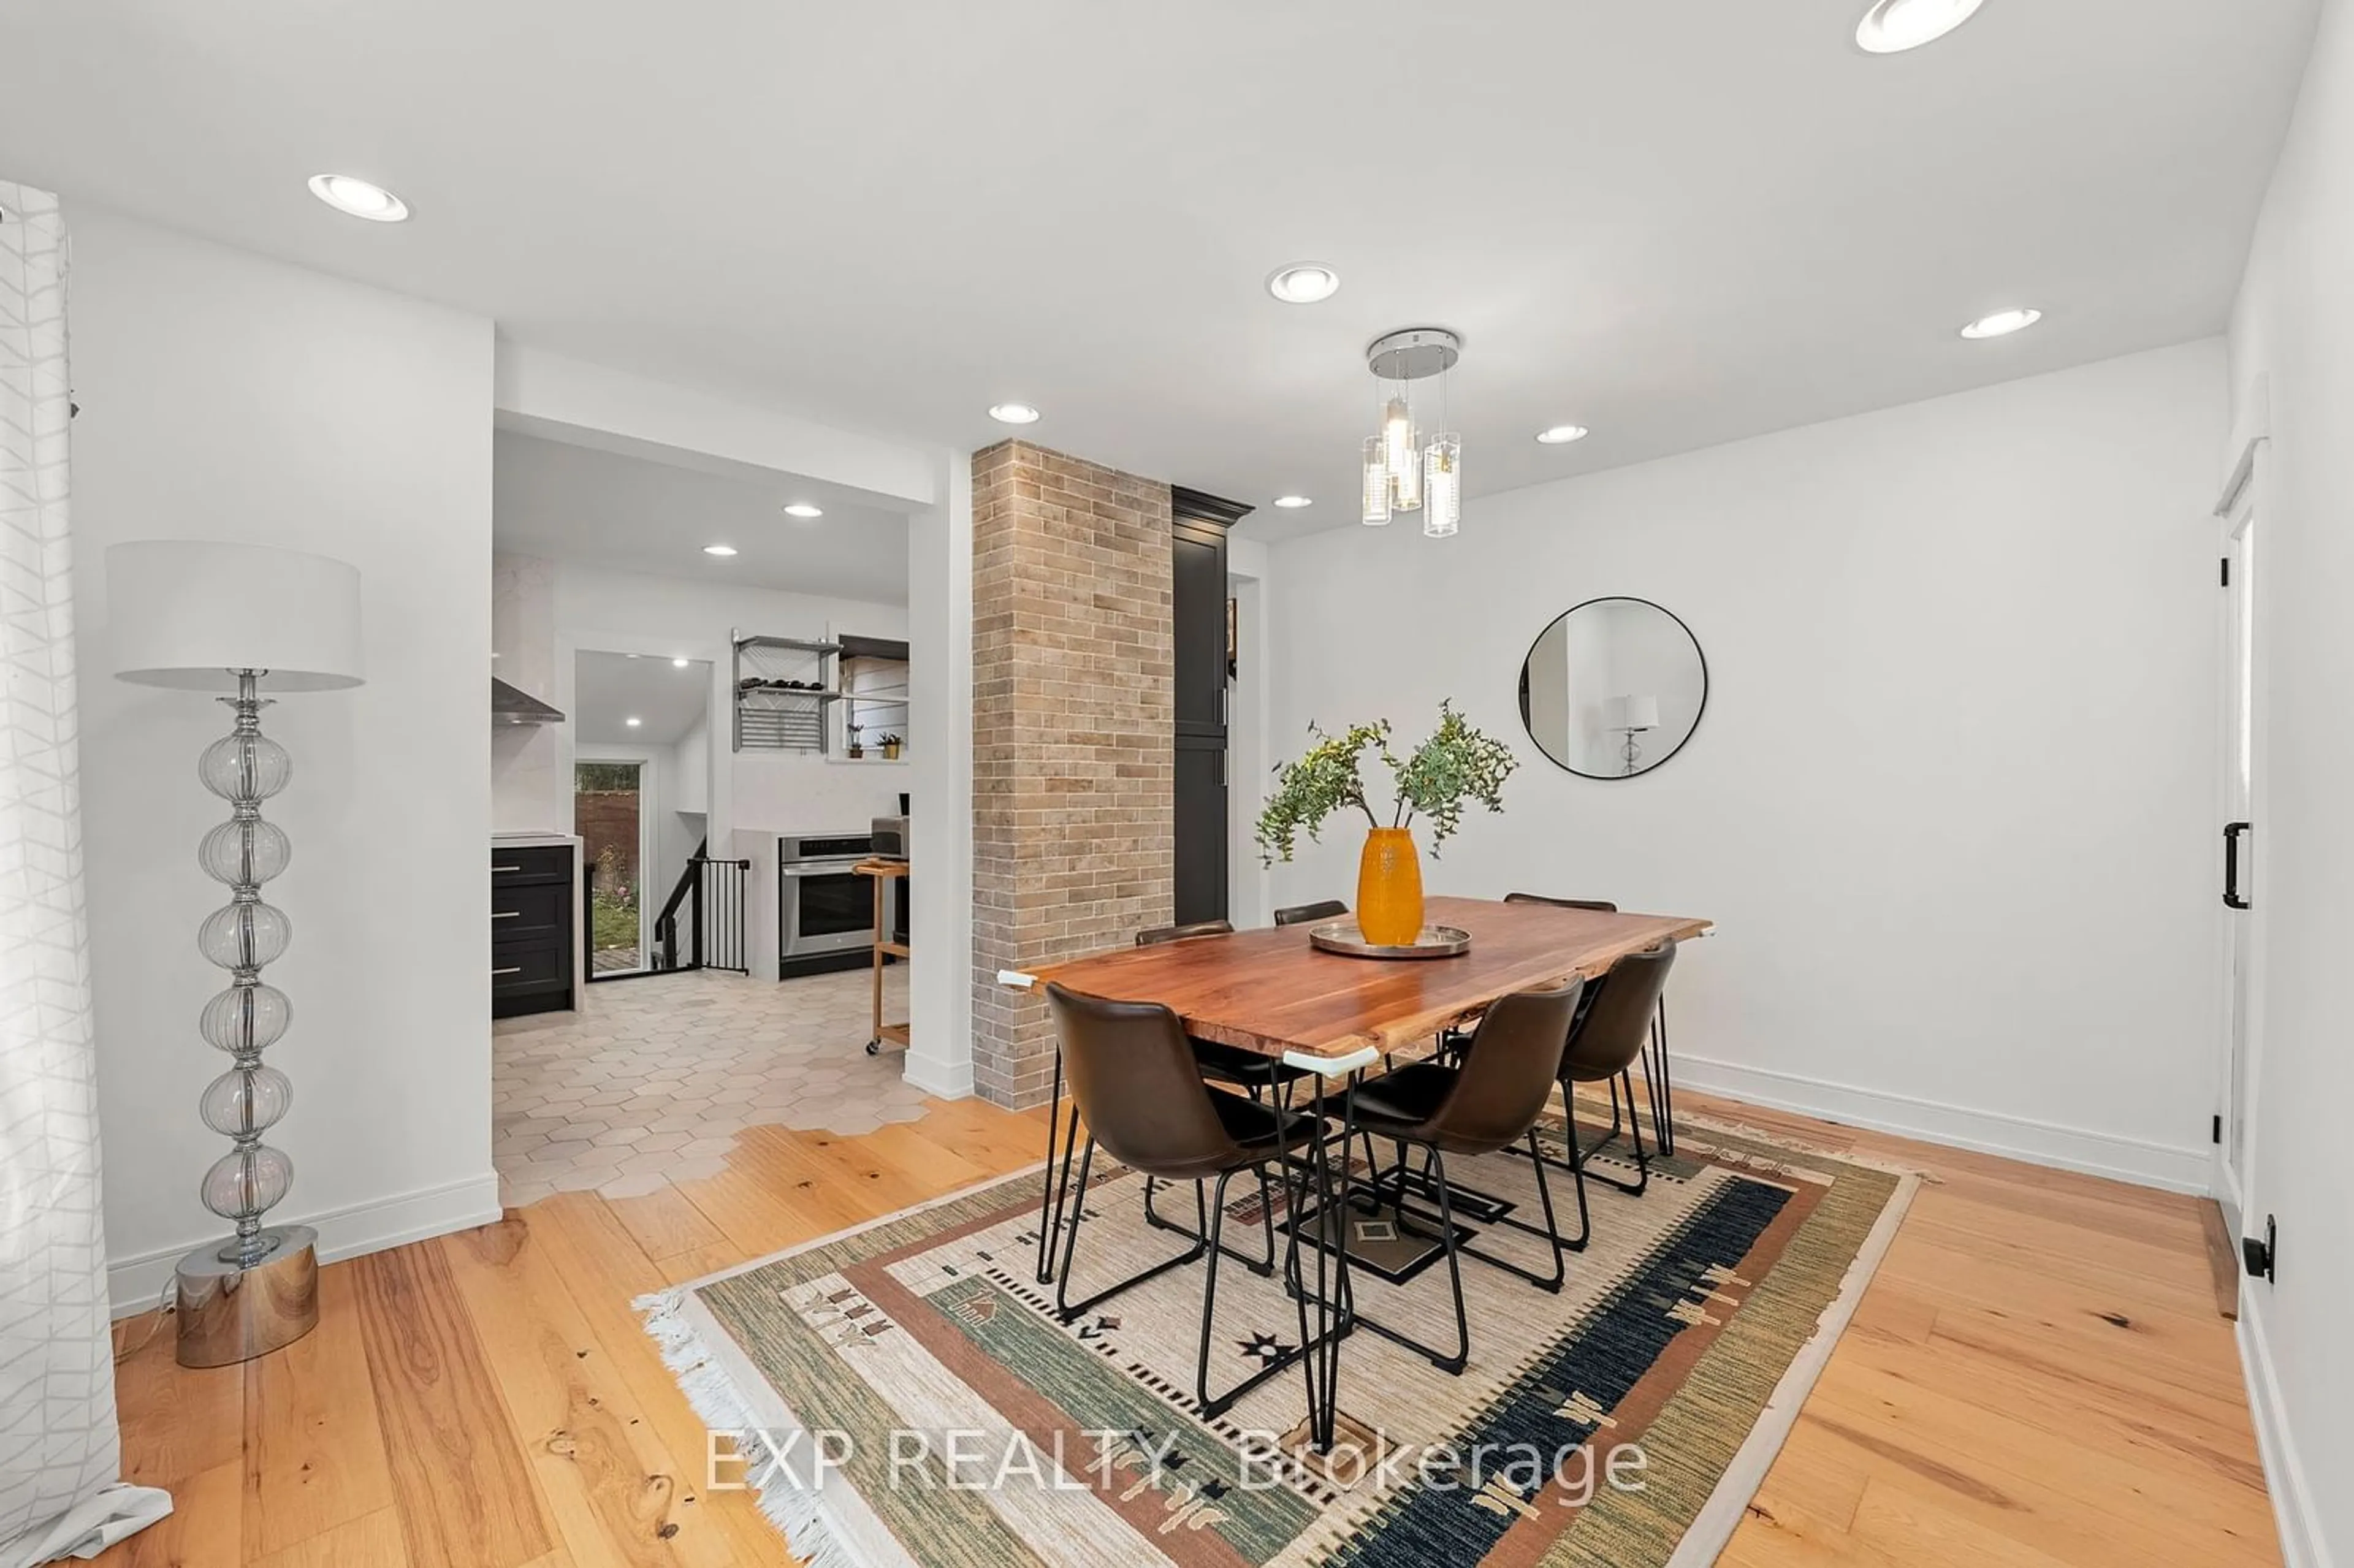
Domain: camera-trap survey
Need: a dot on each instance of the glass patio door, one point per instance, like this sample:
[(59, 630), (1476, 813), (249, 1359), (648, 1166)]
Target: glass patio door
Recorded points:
[(608, 813)]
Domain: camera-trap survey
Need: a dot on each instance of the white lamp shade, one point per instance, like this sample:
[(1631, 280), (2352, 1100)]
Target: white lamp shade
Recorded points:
[(188, 614), (1634, 712)]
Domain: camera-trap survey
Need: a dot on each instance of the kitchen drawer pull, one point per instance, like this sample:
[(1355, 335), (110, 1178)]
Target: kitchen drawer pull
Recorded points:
[(499, 868), (506, 914), (516, 969)]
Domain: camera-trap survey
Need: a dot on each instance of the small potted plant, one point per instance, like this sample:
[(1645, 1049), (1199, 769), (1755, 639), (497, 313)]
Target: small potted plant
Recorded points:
[(857, 750), (1456, 764), (890, 745)]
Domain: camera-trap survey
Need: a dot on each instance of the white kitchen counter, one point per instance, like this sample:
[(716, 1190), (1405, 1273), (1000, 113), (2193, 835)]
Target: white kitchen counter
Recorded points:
[(536, 840)]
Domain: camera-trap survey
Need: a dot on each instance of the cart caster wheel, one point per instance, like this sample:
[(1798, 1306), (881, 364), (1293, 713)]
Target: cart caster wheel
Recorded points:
[(874, 1047)]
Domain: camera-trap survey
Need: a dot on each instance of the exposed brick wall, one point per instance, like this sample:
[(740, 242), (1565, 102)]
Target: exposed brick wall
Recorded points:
[(1073, 772)]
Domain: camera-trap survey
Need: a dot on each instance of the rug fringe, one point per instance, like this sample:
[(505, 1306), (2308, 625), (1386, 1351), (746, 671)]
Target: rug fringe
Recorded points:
[(797, 1512)]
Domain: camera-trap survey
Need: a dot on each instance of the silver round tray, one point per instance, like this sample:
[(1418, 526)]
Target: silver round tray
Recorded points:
[(1435, 942)]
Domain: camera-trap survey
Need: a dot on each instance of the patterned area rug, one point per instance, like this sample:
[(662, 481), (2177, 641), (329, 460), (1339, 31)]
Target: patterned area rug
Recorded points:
[(904, 1394)]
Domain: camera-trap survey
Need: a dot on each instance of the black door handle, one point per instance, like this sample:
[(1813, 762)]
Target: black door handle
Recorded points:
[(2231, 832)]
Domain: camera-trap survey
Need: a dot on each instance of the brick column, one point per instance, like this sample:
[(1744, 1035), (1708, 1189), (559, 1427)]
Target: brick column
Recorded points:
[(1073, 736)]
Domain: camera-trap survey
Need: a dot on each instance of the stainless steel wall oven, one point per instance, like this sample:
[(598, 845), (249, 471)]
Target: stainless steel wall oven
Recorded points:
[(823, 907)]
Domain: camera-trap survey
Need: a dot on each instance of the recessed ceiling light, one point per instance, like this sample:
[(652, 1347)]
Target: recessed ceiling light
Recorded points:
[(1014, 413), (1303, 283), (718, 549), (349, 193), (2002, 324), (1293, 503), (680, 664), (633, 723), (803, 509), (1891, 26), (1562, 435)]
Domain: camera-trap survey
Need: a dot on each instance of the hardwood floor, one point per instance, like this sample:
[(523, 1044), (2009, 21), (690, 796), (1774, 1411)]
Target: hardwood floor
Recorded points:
[(2038, 1378)]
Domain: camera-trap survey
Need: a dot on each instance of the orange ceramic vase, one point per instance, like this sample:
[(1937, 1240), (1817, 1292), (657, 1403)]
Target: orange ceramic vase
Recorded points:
[(1389, 888)]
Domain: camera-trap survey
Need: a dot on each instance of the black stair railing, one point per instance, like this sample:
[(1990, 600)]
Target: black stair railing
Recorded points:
[(710, 895), (666, 923)]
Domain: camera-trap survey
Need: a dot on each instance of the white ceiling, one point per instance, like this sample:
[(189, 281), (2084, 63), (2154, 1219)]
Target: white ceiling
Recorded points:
[(1676, 223), (610, 689), (581, 504)]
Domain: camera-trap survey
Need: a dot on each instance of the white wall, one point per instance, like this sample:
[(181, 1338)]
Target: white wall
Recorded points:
[(1952, 803), (939, 883), (2293, 353), (226, 396), (524, 786), (692, 757), (628, 612)]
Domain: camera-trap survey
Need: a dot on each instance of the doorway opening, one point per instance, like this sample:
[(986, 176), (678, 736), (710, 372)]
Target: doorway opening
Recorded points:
[(608, 813), (659, 900)]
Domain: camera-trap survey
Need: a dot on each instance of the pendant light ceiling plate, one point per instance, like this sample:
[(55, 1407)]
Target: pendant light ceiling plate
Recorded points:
[(1412, 354)]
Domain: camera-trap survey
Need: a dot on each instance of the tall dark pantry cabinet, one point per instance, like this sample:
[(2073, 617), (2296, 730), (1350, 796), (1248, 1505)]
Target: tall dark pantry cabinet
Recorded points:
[(1198, 613)]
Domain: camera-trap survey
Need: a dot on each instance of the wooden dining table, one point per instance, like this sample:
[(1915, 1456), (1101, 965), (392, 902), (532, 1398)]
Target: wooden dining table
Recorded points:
[(1332, 1014)]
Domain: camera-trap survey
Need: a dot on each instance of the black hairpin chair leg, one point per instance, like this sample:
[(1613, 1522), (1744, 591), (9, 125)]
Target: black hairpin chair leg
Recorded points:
[(1262, 1266), (1214, 1405), (1659, 1082), (1621, 1125), (1066, 1307), (1057, 1184), (1434, 1173)]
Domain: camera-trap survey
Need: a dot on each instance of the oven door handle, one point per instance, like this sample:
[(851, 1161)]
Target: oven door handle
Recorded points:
[(810, 870)]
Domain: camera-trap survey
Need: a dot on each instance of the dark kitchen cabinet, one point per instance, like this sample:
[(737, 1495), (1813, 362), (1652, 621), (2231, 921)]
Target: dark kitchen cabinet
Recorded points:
[(1198, 620), (533, 927)]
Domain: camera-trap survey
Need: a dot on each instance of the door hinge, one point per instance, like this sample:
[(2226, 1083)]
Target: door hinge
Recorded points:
[(2263, 1258), (2218, 1135), (2227, 571)]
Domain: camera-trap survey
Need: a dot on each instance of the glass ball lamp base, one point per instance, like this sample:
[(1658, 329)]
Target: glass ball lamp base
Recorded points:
[(227, 1314)]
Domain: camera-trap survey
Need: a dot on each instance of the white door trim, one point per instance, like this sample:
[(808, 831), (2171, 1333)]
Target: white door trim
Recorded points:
[(2233, 1153)]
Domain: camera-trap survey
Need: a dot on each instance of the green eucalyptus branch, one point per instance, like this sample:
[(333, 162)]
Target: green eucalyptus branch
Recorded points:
[(1310, 790), (1456, 764)]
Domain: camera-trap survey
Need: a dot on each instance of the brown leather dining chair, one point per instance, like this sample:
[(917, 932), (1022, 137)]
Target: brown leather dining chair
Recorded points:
[(1608, 1035), (1492, 1101), (1601, 905), (1302, 914), (1255, 1075), (1451, 1042), (1658, 1086), (1224, 1064), (1244, 1069), (1135, 1083)]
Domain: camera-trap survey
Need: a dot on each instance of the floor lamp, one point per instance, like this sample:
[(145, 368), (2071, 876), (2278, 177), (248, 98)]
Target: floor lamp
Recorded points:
[(1631, 716), (239, 619)]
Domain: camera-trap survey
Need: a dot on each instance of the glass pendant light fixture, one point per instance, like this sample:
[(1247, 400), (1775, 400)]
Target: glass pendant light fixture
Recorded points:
[(1442, 486), (1401, 473), (1377, 483)]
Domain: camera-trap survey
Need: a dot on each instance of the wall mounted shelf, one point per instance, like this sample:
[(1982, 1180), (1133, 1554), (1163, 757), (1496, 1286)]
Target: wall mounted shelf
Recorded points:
[(784, 686)]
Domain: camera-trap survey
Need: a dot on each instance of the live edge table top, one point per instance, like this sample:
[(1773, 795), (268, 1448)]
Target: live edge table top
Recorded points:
[(1272, 992)]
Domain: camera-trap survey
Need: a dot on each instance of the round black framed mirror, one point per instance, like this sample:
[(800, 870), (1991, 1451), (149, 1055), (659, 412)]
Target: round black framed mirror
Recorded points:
[(1613, 687)]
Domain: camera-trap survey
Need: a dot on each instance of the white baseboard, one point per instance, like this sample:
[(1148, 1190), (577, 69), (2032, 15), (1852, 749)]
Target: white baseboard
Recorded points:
[(137, 1284), (2187, 1169), (2301, 1545), (944, 1080)]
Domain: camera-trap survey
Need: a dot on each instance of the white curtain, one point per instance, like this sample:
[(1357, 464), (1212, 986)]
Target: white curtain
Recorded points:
[(59, 1456)]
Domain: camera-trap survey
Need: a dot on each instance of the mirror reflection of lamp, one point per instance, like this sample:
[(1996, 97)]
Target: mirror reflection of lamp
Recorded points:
[(1631, 716)]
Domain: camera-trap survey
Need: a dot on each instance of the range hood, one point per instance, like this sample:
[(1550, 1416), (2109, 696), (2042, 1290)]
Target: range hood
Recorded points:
[(510, 704)]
